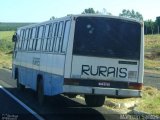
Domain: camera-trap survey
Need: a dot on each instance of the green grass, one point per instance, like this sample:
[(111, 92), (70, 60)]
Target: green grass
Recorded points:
[(6, 35), (152, 53), (151, 64), (5, 60), (150, 101), (6, 43), (152, 42)]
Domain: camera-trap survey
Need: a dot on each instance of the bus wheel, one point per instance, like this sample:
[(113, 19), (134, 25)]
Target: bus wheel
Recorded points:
[(19, 85), (40, 92), (94, 100)]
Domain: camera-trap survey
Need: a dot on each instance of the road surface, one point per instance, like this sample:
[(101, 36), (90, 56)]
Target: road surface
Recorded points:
[(152, 80), (55, 108)]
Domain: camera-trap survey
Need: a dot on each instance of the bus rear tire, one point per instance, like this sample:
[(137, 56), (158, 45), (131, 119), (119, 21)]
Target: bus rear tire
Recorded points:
[(19, 85), (94, 100), (40, 92)]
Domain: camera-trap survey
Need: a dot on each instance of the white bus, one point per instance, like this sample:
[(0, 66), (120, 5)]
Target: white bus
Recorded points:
[(90, 55)]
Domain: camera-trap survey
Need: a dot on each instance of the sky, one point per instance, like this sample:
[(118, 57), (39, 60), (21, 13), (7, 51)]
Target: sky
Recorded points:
[(43, 10)]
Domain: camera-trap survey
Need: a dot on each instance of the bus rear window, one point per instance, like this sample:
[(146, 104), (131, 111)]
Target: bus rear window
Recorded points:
[(107, 37)]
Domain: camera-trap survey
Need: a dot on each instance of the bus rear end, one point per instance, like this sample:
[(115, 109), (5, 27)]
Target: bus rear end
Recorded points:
[(107, 59)]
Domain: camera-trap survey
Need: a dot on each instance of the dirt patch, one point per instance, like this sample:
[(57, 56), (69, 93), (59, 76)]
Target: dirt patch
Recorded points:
[(154, 55)]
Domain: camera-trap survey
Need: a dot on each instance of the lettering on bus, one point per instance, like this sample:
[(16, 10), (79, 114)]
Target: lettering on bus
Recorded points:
[(104, 71), (36, 61)]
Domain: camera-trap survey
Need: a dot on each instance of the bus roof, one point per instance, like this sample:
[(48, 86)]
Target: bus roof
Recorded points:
[(70, 16)]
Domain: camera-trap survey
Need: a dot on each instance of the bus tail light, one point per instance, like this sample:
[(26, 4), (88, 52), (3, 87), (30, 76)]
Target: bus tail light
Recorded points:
[(137, 86)]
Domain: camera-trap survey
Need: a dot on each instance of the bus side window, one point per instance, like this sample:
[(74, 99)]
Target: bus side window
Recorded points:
[(25, 39), (32, 37), (29, 41), (45, 37), (66, 36), (53, 36), (16, 43), (28, 38), (59, 36), (35, 39), (39, 37), (49, 37), (20, 40)]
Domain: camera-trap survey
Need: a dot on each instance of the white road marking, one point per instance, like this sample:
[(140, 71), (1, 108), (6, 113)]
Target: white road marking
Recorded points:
[(22, 104)]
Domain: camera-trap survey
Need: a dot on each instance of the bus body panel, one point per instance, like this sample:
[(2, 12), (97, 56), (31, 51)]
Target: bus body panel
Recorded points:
[(105, 69), (111, 92)]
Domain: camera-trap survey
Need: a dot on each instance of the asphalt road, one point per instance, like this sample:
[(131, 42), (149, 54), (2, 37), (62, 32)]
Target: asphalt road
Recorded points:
[(8, 111), (55, 108)]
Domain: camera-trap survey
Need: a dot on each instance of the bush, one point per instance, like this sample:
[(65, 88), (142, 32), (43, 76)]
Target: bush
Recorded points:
[(6, 46)]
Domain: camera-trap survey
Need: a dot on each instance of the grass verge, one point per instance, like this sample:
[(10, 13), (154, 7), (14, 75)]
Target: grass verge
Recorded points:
[(149, 103), (5, 60)]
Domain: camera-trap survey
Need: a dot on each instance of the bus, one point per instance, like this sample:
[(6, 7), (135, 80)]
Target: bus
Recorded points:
[(90, 55)]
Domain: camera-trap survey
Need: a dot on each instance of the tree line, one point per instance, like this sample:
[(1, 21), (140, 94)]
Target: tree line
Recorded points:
[(11, 26), (150, 27)]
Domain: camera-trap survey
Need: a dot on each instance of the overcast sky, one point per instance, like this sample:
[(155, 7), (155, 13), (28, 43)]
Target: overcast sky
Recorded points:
[(42, 10)]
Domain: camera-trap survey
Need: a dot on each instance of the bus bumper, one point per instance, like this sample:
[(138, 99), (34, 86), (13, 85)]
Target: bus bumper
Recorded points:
[(112, 92)]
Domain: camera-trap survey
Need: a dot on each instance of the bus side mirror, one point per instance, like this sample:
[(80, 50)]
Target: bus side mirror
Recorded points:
[(14, 38)]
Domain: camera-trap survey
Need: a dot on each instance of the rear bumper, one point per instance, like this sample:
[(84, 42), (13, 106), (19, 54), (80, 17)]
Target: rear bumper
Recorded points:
[(102, 91)]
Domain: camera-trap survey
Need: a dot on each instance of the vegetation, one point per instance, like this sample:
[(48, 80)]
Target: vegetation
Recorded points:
[(6, 44), (92, 11), (89, 11), (5, 60), (149, 102), (11, 26), (152, 27), (152, 53), (131, 14)]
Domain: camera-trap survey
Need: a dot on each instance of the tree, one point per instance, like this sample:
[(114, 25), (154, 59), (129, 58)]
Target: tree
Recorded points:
[(146, 27), (89, 11), (52, 18), (131, 14), (158, 23), (149, 26), (103, 12)]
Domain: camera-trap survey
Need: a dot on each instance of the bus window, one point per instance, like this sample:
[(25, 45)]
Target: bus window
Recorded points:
[(25, 39), (53, 36), (28, 38), (59, 37), (66, 35), (20, 40), (35, 39), (49, 37), (112, 38), (39, 37), (16, 43), (45, 37), (32, 37)]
